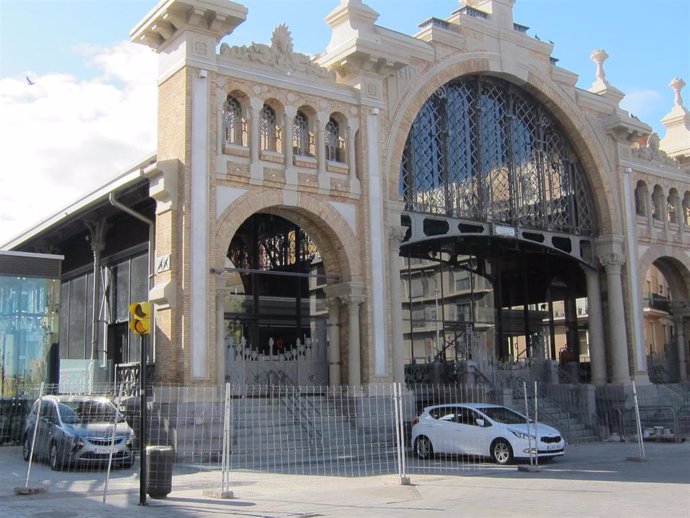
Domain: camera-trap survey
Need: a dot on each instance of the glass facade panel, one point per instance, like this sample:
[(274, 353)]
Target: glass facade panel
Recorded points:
[(28, 327)]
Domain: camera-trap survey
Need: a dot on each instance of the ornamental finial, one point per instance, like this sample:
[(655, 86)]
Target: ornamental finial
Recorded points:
[(599, 56), (677, 85)]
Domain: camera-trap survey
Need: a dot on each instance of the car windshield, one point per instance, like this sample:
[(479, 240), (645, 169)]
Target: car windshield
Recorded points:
[(503, 415), (74, 412)]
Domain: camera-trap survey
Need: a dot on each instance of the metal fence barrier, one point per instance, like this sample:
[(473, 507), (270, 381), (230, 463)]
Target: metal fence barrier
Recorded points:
[(325, 431)]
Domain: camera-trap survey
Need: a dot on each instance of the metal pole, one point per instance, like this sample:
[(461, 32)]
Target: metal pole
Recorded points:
[(225, 468), (536, 426), (529, 440), (112, 445), (142, 421), (438, 345), (33, 439), (640, 439)]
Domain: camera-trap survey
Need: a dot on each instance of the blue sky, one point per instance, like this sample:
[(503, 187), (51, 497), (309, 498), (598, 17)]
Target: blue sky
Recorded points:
[(73, 130)]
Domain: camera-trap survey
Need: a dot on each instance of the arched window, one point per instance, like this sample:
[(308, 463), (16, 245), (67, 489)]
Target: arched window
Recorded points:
[(335, 144), (673, 206), (234, 126), (641, 195), (482, 149), (270, 131), (302, 138), (658, 203)]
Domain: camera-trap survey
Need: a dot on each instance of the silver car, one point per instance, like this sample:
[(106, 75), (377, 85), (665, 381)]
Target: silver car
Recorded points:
[(77, 430)]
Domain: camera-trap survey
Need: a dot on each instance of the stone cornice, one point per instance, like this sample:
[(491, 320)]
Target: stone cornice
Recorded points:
[(170, 18), (357, 45)]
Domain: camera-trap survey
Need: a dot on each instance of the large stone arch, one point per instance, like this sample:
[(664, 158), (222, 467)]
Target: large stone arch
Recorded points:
[(328, 227), (578, 130), (674, 264)]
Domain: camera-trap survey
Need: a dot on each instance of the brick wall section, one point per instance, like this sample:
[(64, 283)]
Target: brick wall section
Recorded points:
[(173, 128)]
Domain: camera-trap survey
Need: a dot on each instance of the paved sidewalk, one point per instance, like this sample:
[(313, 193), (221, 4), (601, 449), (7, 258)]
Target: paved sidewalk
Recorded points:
[(590, 481)]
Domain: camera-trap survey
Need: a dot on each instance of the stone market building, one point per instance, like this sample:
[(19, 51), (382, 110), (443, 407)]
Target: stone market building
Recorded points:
[(390, 207)]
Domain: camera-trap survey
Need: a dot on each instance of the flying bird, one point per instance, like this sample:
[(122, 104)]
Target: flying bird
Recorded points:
[(29, 81)]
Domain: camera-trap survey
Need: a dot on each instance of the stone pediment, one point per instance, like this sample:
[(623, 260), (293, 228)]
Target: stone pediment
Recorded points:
[(279, 55)]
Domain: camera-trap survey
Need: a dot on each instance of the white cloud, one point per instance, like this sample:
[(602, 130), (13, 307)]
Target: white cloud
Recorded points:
[(63, 137), (646, 105)]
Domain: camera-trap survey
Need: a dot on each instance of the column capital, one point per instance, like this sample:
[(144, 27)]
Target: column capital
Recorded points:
[(96, 237), (396, 234), (354, 299), (612, 262), (333, 302), (256, 103)]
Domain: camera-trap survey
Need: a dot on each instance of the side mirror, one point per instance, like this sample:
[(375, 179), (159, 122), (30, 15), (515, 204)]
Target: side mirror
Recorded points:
[(479, 422)]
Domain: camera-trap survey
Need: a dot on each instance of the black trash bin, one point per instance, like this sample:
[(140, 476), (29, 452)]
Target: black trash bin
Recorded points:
[(159, 464), (13, 412)]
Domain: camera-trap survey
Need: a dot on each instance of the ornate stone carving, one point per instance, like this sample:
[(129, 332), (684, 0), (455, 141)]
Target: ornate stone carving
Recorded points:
[(612, 262), (201, 48), (279, 55), (396, 234), (647, 148)]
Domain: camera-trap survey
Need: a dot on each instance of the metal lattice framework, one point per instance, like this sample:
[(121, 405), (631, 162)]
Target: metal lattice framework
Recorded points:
[(481, 149), (267, 242)]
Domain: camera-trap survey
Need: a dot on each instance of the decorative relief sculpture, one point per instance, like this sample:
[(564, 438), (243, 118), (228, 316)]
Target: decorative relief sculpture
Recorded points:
[(647, 148), (279, 55), (200, 48)]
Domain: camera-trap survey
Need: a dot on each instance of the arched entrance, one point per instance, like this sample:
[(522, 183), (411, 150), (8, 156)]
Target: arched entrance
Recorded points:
[(274, 305), (666, 308), (500, 232)]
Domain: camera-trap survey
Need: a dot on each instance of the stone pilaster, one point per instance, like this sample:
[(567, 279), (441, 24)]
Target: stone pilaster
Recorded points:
[(597, 349), (620, 370)]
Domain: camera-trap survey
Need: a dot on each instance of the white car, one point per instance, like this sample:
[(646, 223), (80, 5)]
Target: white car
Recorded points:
[(482, 429)]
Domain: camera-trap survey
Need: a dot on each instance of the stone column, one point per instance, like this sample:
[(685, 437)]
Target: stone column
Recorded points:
[(291, 177), (288, 124), (639, 360), (395, 236), (620, 370), (355, 186), (320, 151), (597, 350), (354, 346), (333, 304), (255, 106)]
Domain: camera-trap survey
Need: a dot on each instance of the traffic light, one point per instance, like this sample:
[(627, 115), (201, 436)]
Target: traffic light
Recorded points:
[(140, 318)]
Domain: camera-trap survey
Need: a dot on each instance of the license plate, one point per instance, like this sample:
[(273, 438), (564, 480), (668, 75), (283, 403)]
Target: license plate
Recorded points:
[(105, 450)]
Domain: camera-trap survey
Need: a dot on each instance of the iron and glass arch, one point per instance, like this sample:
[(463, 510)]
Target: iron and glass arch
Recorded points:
[(482, 149)]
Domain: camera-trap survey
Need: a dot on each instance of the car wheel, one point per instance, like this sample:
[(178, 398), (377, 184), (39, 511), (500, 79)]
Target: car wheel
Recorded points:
[(26, 448), (501, 452), (56, 462), (423, 447)]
